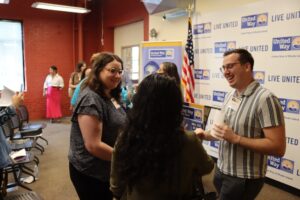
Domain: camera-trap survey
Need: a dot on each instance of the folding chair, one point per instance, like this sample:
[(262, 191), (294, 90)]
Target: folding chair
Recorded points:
[(30, 133), (25, 124), (17, 168), (18, 143)]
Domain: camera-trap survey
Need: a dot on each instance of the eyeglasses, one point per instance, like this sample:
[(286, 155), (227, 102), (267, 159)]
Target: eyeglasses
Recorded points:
[(229, 66), (114, 71)]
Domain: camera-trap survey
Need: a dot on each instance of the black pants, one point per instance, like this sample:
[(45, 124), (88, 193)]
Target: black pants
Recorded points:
[(234, 188), (89, 188)]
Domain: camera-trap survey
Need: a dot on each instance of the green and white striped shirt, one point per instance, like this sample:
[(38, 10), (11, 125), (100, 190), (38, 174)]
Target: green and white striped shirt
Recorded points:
[(259, 108)]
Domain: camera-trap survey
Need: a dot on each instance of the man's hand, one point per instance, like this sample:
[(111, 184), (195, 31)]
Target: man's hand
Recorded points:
[(226, 133)]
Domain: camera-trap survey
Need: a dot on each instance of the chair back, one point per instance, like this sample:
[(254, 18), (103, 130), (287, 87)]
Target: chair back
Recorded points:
[(15, 122), (7, 129), (23, 113)]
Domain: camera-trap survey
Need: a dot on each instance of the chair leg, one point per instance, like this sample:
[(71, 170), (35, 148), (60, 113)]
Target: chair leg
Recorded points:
[(40, 147), (36, 160), (45, 140), (17, 180)]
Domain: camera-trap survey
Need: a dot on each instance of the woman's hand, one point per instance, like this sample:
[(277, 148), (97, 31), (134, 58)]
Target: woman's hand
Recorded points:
[(200, 133)]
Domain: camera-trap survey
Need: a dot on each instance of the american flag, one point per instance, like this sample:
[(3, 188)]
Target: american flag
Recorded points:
[(188, 67)]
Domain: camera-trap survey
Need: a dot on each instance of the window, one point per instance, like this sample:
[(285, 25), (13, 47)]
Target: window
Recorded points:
[(11, 55), (131, 56)]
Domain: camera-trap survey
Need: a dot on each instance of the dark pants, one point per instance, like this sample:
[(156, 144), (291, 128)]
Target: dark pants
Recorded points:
[(89, 188), (234, 188)]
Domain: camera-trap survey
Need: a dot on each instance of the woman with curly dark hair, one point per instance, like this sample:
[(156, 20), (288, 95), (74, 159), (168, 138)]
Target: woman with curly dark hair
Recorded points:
[(154, 158), (96, 123)]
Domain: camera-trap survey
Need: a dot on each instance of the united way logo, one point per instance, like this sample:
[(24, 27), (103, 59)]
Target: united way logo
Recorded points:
[(150, 68), (202, 74), (290, 106), (296, 43), (219, 96), (215, 144), (286, 43), (253, 21), (281, 164), (222, 47), (198, 115), (202, 28), (287, 165), (161, 53), (259, 76)]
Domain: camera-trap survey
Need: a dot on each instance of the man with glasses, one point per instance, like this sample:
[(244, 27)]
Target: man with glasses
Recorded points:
[(253, 128)]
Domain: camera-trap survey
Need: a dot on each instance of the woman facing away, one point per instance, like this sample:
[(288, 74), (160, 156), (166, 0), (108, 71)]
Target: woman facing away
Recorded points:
[(96, 123), (154, 158), (52, 90)]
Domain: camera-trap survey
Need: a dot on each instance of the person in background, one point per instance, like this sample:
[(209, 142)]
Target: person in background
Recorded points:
[(169, 69), (84, 76), (76, 77), (5, 114), (152, 156), (52, 90), (126, 98), (253, 128), (96, 122)]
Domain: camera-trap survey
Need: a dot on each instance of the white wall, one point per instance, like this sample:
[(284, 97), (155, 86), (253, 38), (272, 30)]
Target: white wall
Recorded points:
[(176, 29), (128, 35)]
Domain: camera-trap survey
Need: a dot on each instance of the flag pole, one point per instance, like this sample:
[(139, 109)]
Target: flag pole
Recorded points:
[(187, 77)]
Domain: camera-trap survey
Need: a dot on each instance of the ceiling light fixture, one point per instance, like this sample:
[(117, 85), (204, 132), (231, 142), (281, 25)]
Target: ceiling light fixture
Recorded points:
[(58, 7), (175, 14), (4, 1)]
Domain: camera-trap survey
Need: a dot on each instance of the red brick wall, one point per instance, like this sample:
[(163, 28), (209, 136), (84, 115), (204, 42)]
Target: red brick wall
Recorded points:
[(48, 40), (51, 38)]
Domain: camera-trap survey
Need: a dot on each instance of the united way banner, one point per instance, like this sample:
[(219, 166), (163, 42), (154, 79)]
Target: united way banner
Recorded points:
[(270, 30), (193, 115), (155, 53)]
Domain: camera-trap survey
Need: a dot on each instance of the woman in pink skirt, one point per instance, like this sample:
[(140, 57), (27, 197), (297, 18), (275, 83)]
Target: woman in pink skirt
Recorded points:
[(52, 90)]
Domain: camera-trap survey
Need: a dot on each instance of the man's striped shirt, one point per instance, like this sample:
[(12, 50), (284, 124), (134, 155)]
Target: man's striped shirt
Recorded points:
[(259, 108)]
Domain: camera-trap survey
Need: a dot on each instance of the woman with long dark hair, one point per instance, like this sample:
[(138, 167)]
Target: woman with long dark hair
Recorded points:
[(96, 122), (169, 69), (154, 158)]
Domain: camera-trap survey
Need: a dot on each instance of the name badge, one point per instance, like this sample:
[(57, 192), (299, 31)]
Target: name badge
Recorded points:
[(234, 103), (117, 106)]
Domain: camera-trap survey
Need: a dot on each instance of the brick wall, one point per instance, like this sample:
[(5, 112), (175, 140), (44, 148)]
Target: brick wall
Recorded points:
[(51, 38)]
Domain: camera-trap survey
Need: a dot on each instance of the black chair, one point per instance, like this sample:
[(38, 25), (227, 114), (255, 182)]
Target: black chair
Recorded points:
[(30, 133), (15, 144), (17, 168), (25, 124)]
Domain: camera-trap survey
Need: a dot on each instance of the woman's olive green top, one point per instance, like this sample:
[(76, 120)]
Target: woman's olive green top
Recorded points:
[(193, 159)]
